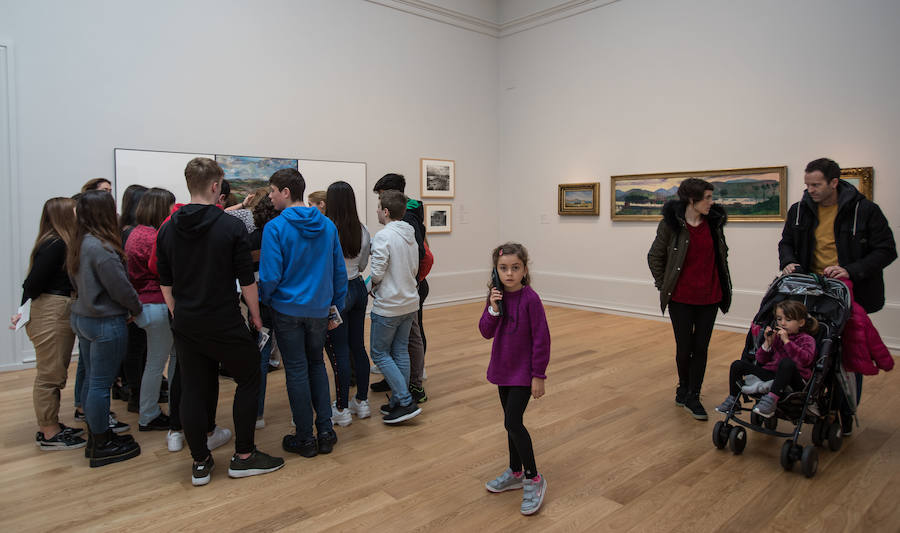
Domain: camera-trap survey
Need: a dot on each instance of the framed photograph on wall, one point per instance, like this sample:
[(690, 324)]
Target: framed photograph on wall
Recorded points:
[(578, 199), (862, 178), (438, 218), (748, 194), (438, 178)]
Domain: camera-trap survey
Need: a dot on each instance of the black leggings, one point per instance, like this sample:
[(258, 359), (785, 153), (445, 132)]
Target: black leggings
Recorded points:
[(785, 375), (521, 454), (693, 325)]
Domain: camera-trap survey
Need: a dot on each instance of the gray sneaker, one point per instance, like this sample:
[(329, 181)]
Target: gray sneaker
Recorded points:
[(505, 481), (726, 406), (533, 495), (765, 407)]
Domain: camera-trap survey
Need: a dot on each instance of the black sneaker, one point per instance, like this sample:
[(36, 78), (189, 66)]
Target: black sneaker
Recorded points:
[(80, 416), (201, 473), (115, 425), (418, 394), (693, 405), (680, 395), (846, 425), (380, 386), (61, 441), (326, 441), (75, 432), (306, 448), (401, 413), (160, 423), (258, 463), (107, 448)]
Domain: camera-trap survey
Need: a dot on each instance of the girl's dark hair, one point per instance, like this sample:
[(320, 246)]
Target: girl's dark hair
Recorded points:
[(57, 222), (340, 207), (263, 212), (794, 310), (512, 248), (154, 207), (93, 183), (692, 189), (130, 200), (95, 214)]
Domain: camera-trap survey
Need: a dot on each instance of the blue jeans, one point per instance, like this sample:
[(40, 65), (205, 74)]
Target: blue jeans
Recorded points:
[(154, 319), (101, 342), (79, 382), (389, 341), (264, 355), (301, 340), (349, 344)]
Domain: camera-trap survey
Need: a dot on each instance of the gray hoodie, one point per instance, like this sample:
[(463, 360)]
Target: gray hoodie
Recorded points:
[(394, 264), (102, 283)]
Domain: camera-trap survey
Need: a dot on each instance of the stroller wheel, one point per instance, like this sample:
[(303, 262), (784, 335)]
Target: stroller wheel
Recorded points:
[(720, 435), (787, 462), (819, 432), (835, 436), (771, 423), (810, 461), (737, 440)]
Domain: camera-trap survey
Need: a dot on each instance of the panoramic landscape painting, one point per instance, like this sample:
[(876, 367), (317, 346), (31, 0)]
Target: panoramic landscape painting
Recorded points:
[(245, 173)]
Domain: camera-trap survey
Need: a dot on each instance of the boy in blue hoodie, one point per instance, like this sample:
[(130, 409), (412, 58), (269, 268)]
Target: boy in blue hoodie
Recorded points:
[(301, 275)]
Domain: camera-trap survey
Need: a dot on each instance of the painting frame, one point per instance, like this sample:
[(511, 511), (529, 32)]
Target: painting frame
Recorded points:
[(863, 178), (431, 210), (737, 175), (564, 207), (442, 181)]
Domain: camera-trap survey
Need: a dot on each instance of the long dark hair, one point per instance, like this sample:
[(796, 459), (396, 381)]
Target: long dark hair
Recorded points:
[(130, 200), (154, 207), (340, 207), (57, 222), (95, 214)]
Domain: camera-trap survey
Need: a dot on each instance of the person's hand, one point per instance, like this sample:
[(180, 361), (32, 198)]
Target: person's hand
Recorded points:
[(14, 320), (836, 271), (768, 337), (783, 335), (496, 296), (257, 321), (537, 387), (246, 200), (332, 324), (790, 268)]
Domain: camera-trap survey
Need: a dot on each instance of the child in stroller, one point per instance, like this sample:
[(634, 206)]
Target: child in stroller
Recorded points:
[(786, 357)]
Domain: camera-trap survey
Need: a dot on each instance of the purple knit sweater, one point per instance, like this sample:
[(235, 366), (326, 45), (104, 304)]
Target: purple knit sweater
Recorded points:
[(521, 349)]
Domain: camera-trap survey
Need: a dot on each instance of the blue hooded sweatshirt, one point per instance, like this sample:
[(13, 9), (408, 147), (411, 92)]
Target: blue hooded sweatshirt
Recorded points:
[(301, 265)]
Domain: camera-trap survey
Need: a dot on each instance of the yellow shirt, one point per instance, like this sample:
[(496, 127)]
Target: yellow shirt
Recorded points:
[(825, 254)]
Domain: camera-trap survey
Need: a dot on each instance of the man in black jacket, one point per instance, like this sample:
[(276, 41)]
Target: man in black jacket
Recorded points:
[(836, 231)]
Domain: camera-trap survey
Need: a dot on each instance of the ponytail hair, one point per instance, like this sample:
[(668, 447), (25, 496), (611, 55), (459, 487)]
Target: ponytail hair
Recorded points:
[(794, 310)]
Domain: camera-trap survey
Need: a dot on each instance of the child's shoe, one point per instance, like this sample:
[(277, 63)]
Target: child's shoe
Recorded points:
[(726, 406), (765, 407), (508, 480), (533, 494)]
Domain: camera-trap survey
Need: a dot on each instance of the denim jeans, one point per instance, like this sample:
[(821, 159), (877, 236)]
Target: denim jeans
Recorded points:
[(79, 382), (264, 355), (154, 319), (349, 344), (301, 340), (101, 345), (389, 340)]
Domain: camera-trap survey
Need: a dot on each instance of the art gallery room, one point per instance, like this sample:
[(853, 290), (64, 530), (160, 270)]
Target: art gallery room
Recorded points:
[(563, 125)]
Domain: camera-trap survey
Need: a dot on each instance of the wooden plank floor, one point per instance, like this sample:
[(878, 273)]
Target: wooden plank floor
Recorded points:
[(617, 453)]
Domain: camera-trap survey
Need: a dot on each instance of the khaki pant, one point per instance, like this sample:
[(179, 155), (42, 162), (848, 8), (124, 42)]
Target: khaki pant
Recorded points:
[(53, 339)]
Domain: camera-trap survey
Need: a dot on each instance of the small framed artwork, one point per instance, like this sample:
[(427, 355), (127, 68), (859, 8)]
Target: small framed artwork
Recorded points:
[(438, 218), (862, 178), (578, 199), (747, 194), (438, 178)]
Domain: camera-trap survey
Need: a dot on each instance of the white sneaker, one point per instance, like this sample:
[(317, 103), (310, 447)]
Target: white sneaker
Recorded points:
[(374, 370), (424, 374), (219, 437), (359, 408), (175, 440), (341, 417), (260, 423)]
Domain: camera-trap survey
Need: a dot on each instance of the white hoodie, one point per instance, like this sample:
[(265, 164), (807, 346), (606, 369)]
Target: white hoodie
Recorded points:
[(394, 264)]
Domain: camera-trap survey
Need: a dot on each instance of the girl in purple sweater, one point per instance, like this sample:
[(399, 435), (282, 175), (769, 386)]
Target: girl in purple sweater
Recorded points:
[(786, 356), (519, 358)]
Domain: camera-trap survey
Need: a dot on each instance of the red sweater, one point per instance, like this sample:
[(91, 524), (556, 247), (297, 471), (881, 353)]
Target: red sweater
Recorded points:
[(698, 283)]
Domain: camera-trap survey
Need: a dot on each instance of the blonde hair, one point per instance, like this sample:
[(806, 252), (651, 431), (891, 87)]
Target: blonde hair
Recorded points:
[(316, 197)]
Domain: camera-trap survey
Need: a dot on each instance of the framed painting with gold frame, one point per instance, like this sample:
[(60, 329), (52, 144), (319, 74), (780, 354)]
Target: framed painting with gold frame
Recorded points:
[(578, 199), (862, 178)]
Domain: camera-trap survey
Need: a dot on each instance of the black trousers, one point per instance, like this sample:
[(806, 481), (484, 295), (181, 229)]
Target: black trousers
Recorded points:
[(521, 453), (135, 358), (198, 363), (785, 375), (423, 293), (693, 325)]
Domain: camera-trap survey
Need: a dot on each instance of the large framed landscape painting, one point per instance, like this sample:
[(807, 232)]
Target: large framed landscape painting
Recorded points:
[(748, 194), (862, 178), (246, 174)]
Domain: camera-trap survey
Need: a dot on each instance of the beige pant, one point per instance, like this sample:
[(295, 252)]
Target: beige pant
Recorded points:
[(53, 339)]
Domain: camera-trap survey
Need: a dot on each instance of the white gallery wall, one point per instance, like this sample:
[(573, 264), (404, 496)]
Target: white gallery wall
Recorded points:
[(339, 80), (643, 86)]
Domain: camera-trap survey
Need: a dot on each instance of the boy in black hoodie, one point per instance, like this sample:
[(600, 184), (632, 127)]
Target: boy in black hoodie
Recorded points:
[(200, 254)]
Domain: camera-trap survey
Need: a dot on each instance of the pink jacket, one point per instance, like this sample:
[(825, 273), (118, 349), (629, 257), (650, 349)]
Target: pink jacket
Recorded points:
[(801, 348), (864, 351)]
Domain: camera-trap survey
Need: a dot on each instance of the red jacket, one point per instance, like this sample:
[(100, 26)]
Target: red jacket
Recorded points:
[(864, 351)]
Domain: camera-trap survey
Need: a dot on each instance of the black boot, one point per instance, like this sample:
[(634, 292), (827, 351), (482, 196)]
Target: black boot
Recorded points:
[(693, 406), (107, 449)]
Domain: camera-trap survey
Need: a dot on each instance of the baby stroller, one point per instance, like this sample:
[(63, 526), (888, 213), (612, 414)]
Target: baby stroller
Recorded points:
[(827, 300)]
